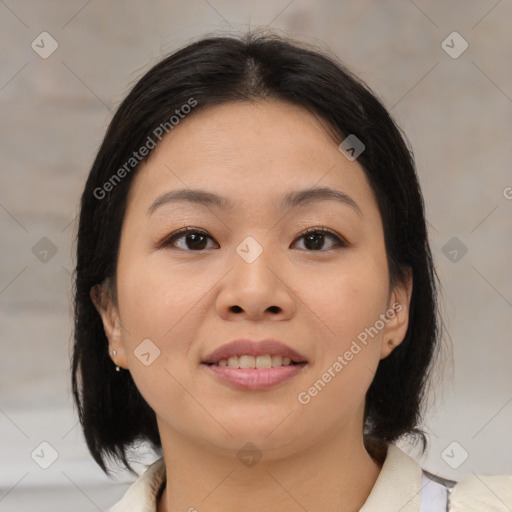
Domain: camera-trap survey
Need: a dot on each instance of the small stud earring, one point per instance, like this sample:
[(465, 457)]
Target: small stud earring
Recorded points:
[(114, 353)]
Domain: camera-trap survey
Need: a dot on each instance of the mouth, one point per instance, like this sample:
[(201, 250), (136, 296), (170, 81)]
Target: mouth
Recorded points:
[(249, 365), (245, 353), (256, 362)]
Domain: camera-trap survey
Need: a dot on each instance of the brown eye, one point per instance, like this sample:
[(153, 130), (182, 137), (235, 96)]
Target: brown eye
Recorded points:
[(191, 239), (315, 239), (196, 240)]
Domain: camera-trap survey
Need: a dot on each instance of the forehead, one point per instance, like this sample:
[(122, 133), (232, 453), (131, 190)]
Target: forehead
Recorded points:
[(249, 152)]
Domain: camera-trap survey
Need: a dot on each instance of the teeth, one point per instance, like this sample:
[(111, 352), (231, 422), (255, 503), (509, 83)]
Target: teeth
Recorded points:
[(259, 362), (247, 362), (263, 362), (277, 361)]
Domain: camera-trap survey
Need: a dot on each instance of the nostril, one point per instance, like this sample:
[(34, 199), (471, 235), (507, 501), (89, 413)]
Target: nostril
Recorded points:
[(236, 309), (274, 309)]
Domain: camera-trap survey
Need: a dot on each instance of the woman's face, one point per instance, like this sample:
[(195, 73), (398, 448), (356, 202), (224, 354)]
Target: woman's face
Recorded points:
[(251, 272)]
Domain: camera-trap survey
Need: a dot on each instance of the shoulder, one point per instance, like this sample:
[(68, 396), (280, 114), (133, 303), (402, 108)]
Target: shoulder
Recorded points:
[(482, 493), (403, 485), (471, 494), (141, 496)]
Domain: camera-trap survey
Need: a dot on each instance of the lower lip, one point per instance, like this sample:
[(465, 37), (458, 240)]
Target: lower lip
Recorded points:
[(254, 379)]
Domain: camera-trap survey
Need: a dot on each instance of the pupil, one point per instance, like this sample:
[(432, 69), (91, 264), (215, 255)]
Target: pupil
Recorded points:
[(196, 241), (316, 238)]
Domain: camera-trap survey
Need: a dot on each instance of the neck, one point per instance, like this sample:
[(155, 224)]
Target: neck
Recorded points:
[(337, 474)]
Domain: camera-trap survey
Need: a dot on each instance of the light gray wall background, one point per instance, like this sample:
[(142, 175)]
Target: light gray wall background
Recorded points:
[(456, 110)]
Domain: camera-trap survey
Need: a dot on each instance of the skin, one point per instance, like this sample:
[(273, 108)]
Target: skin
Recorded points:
[(316, 301)]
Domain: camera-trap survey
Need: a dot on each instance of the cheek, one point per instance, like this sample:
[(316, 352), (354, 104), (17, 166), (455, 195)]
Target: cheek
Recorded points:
[(353, 297), (155, 301), (349, 348), (159, 306)]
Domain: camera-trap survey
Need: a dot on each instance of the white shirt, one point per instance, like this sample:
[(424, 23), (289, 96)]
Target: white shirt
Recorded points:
[(401, 486)]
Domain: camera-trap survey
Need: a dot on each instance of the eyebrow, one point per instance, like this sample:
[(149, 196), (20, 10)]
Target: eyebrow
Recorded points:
[(290, 200)]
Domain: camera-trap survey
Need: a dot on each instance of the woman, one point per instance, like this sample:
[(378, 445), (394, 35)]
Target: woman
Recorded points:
[(255, 293)]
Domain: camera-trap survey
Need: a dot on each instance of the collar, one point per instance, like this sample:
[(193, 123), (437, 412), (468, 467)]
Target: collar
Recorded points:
[(398, 487)]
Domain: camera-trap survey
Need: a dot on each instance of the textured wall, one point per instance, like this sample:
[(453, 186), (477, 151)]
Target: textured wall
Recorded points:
[(456, 110)]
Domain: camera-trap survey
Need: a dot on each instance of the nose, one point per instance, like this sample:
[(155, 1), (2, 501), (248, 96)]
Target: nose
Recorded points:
[(256, 291)]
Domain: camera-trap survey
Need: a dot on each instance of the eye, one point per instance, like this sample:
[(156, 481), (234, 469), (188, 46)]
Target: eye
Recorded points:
[(193, 239), (314, 239), (196, 240)]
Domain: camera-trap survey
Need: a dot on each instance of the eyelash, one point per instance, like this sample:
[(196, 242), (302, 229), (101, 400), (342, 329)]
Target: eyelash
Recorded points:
[(339, 242)]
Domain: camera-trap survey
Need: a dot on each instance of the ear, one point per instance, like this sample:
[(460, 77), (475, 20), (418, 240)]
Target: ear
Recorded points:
[(101, 297), (399, 303)]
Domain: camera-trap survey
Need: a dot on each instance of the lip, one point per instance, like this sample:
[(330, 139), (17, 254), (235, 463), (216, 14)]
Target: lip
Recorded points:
[(252, 378), (254, 348)]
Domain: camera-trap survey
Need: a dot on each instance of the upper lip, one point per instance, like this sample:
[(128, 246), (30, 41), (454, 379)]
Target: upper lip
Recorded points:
[(254, 348)]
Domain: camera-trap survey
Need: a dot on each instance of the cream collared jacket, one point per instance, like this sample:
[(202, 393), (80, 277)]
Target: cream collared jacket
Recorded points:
[(401, 486)]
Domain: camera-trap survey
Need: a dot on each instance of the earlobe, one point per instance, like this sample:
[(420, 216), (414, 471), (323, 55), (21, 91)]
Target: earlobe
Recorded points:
[(107, 310), (387, 347), (397, 326)]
